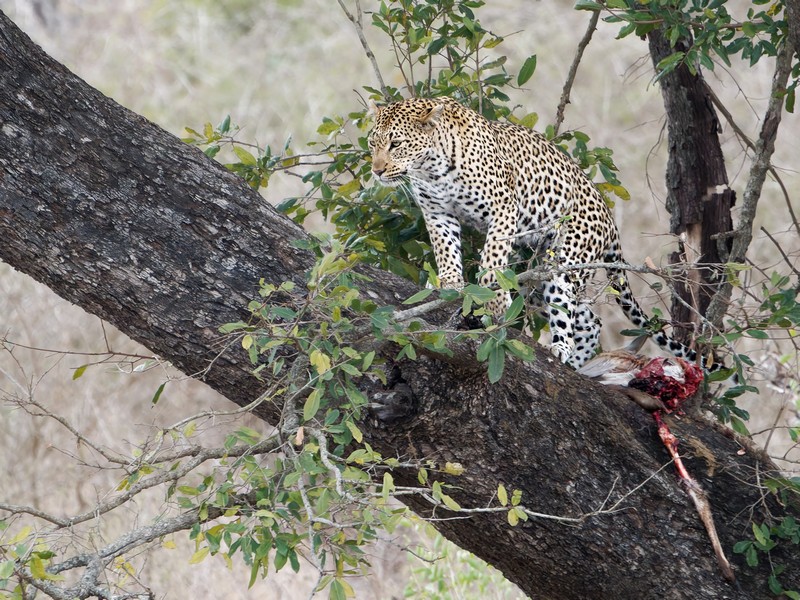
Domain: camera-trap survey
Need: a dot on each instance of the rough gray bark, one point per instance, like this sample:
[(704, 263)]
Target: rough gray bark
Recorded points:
[(121, 218), (793, 22), (698, 197)]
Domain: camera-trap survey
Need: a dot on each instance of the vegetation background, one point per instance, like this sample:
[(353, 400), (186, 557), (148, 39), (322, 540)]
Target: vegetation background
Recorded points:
[(278, 67)]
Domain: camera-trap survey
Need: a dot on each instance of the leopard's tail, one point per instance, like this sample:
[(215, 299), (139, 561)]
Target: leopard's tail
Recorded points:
[(624, 297)]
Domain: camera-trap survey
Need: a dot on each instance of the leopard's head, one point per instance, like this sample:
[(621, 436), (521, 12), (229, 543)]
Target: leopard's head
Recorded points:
[(401, 138)]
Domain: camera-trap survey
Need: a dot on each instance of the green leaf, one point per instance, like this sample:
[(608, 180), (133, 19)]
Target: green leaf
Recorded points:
[(485, 348), (751, 556), (158, 393), (507, 280), (328, 126), (422, 476), (529, 120), (6, 569), (357, 435), (419, 296), (311, 405), (513, 517), (738, 426), (337, 591), (588, 5), (350, 369), (502, 495), (388, 486), (452, 468), (280, 559), (757, 334), (228, 327), (244, 156), (78, 372), (496, 363), (294, 561), (774, 585), (517, 304), (478, 293), (368, 358), (320, 361), (528, 67), (36, 566), (450, 503), (761, 538), (436, 45), (670, 62), (198, 556), (247, 341), (348, 188), (519, 349), (253, 573)]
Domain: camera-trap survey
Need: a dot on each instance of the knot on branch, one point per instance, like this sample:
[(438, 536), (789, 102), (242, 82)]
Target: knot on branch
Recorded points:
[(394, 405)]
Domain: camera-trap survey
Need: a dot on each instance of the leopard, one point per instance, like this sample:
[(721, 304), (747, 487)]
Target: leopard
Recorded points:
[(519, 189)]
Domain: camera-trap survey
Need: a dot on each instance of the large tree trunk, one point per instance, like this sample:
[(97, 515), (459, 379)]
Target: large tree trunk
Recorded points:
[(121, 218), (698, 197)]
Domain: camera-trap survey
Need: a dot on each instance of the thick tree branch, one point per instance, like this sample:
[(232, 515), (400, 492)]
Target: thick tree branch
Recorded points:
[(121, 218)]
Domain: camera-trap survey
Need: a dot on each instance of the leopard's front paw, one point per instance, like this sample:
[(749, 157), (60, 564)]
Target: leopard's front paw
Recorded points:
[(451, 283), (562, 350)]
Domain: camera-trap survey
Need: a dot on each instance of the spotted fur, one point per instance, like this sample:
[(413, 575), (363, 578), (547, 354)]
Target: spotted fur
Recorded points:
[(519, 188)]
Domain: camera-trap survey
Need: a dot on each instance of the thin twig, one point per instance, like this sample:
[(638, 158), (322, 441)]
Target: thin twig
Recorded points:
[(751, 145), (573, 69), (780, 250), (764, 148), (357, 23)]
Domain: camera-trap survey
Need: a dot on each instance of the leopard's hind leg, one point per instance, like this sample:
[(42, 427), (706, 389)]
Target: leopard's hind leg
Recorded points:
[(586, 334)]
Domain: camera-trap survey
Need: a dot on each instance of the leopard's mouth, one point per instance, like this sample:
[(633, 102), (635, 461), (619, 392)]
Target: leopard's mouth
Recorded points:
[(392, 180)]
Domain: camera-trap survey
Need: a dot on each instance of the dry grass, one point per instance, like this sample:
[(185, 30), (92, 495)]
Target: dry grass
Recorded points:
[(278, 67)]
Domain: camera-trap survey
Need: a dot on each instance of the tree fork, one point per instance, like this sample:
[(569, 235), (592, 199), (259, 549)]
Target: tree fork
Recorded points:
[(123, 219)]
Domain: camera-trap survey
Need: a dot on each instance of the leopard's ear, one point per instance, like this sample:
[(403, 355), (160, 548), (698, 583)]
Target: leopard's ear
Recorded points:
[(373, 110), (430, 119)]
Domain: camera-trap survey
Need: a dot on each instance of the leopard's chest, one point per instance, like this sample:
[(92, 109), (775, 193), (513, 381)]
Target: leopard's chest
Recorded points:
[(468, 194), (453, 194)]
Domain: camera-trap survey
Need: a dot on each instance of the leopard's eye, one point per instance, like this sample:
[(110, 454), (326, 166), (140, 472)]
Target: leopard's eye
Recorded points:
[(396, 144)]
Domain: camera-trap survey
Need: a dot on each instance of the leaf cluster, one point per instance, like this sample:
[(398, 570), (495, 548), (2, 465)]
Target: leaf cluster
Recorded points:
[(702, 31)]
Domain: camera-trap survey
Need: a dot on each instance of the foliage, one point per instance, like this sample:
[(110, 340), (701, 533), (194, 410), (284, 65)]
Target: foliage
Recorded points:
[(323, 496), (701, 31), (440, 570), (767, 539)]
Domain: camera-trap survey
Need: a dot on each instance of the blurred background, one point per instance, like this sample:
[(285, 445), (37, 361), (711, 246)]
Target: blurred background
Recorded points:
[(277, 67)]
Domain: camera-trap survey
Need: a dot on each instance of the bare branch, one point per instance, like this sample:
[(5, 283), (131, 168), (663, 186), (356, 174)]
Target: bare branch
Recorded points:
[(751, 145), (764, 148), (573, 69), (357, 23)]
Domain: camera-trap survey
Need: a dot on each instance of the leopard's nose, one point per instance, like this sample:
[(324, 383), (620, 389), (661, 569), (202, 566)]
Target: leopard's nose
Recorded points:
[(378, 172)]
